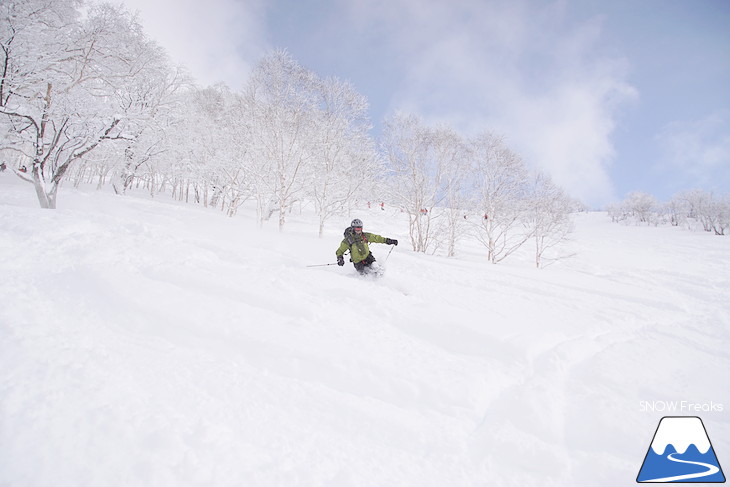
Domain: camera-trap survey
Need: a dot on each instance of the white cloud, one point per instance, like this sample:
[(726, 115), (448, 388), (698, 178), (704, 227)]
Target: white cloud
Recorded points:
[(519, 68), (217, 40), (697, 151)]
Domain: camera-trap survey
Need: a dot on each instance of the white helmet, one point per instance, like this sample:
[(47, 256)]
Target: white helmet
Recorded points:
[(356, 223)]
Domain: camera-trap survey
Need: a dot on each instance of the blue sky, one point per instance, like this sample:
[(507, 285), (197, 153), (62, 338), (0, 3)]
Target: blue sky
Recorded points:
[(607, 97)]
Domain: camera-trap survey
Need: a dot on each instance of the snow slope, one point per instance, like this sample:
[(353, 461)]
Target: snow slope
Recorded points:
[(148, 342)]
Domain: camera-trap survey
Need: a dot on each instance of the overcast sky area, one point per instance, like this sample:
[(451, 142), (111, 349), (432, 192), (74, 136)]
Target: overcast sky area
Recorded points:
[(608, 97)]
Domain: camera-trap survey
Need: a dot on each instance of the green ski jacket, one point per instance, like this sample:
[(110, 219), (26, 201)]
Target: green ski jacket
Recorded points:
[(359, 249)]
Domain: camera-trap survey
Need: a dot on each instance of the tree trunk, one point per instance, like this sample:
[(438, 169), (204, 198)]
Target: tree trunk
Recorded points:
[(47, 199)]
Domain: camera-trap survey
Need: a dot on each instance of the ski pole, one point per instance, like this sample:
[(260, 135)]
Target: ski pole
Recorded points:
[(391, 250), (322, 265)]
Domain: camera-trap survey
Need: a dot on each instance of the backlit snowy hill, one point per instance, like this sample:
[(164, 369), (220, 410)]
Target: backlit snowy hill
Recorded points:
[(152, 343)]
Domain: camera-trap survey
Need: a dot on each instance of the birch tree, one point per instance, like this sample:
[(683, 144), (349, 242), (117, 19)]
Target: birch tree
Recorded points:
[(405, 143), (281, 99), (418, 160), (345, 159), (500, 196), (548, 219), (453, 154)]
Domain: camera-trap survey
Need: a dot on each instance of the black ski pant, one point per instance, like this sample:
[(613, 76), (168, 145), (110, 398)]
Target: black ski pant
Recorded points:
[(364, 265)]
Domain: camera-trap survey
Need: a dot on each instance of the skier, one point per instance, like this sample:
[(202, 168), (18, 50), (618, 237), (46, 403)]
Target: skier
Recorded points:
[(356, 241)]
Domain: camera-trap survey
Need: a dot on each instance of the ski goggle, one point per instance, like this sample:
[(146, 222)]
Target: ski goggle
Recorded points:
[(357, 228)]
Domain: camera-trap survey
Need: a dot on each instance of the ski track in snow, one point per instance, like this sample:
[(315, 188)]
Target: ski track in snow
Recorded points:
[(711, 470), (154, 343)]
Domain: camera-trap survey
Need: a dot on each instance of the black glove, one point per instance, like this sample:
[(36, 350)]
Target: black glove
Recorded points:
[(340, 260), (390, 241)]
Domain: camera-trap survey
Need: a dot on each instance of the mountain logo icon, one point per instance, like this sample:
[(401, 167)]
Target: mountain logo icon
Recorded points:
[(680, 452)]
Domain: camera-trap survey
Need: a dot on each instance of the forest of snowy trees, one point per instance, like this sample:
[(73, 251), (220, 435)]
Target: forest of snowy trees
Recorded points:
[(86, 97), (695, 209)]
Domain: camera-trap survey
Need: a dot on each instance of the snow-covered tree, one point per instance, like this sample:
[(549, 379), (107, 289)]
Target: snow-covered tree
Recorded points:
[(549, 217), (452, 151), (69, 83), (405, 144), (282, 99), (207, 147), (501, 196), (695, 208), (617, 212), (346, 159), (721, 224), (675, 211), (421, 163), (642, 207), (158, 98), (703, 207)]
